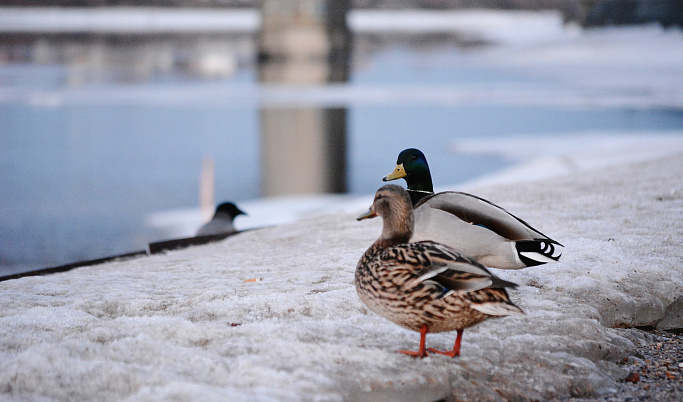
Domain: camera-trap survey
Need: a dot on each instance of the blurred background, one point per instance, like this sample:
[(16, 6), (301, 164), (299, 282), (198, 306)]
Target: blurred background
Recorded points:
[(119, 118)]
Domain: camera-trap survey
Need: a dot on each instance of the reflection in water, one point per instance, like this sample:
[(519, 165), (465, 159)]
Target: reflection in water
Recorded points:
[(93, 58), (303, 43), (303, 151)]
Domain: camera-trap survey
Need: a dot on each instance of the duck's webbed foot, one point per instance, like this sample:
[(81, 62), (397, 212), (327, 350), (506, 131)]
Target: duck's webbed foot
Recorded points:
[(456, 348), (422, 352), (449, 353), (419, 353)]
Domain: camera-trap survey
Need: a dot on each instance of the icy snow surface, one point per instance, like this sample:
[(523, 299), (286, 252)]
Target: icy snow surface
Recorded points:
[(188, 325)]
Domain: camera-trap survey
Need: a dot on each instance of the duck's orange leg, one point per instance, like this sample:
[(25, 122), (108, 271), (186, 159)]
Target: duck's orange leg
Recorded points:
[(423, 340), (456, 347)]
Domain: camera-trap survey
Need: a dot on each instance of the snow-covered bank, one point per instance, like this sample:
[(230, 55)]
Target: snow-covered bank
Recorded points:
[(472, 25), (601, 67), (551, 156), (500, 26), (188, 325), (130, 20)]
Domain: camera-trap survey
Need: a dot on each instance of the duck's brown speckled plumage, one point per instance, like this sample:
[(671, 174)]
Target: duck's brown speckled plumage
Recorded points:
[(424, 286)]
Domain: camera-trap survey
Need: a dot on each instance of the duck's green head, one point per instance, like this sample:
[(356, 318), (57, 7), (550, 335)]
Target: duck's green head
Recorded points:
[(412, 166)]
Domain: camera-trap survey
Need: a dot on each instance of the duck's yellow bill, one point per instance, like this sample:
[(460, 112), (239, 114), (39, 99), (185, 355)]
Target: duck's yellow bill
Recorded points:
[(370, 213), (398, 173)]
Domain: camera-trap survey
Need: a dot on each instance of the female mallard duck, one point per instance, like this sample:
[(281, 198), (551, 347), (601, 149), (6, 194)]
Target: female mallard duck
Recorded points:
[(424, 286), (471, 225)]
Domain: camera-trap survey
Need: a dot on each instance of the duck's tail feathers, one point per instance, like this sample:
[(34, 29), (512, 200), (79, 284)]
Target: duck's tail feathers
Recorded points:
[(497, 308), (537, 252), (498, 283)]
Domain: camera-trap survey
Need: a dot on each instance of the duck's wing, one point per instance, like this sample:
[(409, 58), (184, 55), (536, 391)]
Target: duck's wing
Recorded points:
[(431, 263), (484, 230), (478, 211)]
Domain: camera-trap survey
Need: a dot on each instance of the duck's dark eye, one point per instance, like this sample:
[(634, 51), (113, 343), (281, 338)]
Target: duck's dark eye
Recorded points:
[(379, 197), (414, 157)]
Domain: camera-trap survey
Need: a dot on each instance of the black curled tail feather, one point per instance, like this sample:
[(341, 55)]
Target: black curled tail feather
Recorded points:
[(537, 252)]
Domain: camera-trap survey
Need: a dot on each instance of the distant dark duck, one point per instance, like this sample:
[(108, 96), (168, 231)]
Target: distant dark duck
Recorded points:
[(424, 286), (221, 223), (469, 224)]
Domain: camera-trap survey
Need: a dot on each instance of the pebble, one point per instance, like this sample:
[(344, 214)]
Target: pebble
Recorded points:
[(654, 372)]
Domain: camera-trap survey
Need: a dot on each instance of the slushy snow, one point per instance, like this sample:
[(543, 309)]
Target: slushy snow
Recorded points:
[(194, 325)]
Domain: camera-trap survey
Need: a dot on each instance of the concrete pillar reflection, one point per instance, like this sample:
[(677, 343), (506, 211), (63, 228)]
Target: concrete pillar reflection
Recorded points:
[(303, 149)]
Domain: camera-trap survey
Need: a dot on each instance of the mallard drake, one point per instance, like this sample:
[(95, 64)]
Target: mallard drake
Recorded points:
[(424, 286), (470, 224), (221, 223)]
